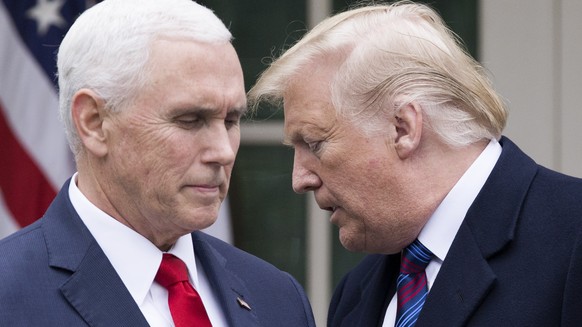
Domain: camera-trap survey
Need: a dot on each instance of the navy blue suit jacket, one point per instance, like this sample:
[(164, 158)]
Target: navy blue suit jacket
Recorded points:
[(515, 261), (53, 273)]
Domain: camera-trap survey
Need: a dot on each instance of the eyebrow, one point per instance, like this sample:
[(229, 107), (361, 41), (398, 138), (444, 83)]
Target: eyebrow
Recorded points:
[(206, 111), (239, 111), (291, 139)]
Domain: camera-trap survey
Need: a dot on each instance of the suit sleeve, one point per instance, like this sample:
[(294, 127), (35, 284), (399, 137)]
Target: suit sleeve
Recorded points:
[(310, 320)]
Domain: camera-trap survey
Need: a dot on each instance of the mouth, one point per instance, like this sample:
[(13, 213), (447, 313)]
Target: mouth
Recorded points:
[(330, 209), (326, 203), (207, 189)]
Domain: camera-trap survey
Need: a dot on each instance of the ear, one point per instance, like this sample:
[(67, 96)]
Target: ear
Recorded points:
[(408, 124), (88, 111)]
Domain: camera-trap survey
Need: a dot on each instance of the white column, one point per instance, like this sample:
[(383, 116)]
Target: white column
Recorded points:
[(318, 226), (318, 260), (519, 45), (571, 86), (533, 50)]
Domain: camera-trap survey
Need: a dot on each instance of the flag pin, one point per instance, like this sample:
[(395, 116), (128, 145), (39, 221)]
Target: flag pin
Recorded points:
[(243, 304)]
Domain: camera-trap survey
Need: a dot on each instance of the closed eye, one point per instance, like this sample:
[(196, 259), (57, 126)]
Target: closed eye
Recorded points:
[(233, 118), (189, 121), (229, 123), (315, 147)]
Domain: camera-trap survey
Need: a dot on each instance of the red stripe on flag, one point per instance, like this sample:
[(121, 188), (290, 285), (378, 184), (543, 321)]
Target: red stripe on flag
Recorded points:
[(26, 191)]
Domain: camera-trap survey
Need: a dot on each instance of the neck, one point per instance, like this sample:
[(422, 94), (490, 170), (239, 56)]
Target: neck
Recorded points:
[(442, 166)]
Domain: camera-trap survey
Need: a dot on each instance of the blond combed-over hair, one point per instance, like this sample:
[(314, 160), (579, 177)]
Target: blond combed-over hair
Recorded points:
[(393, 55)]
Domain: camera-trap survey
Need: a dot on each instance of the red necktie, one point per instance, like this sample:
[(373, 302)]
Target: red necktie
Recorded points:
[(185, 303)]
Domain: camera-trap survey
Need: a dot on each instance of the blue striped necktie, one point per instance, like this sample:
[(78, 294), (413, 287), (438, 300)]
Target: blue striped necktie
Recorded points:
[(411, 285)]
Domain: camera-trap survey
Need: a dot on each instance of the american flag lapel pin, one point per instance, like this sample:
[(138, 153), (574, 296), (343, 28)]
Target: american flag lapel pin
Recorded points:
[(243, 304)]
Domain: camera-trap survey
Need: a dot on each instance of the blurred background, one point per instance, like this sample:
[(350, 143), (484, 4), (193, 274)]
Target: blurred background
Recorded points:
[(531, 48)]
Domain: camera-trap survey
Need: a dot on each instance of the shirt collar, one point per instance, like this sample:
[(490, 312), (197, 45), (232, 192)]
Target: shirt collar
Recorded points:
[(135, 259), (440, 230)]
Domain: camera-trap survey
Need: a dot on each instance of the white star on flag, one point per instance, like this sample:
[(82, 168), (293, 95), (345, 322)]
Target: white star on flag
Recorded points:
[(47, 13)]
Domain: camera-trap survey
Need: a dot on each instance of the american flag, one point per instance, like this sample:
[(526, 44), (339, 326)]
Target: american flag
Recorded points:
[(35, 159), (34, 156)]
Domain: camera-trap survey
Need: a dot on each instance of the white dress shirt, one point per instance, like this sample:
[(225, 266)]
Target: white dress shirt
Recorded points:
[(136, 260), (440, 230)]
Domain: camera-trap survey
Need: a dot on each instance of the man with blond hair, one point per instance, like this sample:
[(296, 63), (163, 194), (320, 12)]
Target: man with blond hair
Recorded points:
[(398, 133)]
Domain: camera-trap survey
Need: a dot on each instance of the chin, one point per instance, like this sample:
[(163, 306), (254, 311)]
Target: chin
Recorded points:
[(351, 244), (197, 220), (204, 223)]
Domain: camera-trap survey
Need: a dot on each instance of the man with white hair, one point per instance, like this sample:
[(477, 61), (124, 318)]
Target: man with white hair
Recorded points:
[(151, 94)]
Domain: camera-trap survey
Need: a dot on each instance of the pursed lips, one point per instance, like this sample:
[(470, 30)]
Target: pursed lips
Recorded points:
[(205, 187)]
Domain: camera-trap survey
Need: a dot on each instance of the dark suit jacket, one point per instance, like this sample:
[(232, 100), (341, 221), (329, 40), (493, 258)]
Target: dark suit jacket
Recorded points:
[(515, 261), (53, 273)]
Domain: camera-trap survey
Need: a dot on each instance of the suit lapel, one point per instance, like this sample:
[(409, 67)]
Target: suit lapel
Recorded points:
[(99, 295), (374, 293), (463, 281), (235, 299), (466, 277), (93, 287)]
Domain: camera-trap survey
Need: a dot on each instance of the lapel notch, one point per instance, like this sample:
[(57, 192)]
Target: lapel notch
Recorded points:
[(457, 292), (98, 294)]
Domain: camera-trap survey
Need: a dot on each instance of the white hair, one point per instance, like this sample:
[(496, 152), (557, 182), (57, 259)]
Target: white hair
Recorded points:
[(106, 50)]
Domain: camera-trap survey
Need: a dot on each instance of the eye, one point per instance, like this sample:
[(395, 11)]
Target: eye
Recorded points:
[(315, 147), (232, 118), (188, 121), (230, 122)]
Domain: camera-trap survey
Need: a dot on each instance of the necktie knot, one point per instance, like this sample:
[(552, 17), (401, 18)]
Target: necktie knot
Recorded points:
[(415, 258), (172, 270), (185, 304)]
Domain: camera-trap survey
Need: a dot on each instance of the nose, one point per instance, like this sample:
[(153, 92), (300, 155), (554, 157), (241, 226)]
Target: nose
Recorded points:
[(222, 145), (304, 179)]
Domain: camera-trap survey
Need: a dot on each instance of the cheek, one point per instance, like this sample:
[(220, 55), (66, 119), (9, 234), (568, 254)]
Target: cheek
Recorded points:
[(367, 191), (155, 154), (376, 163), (234, 139)]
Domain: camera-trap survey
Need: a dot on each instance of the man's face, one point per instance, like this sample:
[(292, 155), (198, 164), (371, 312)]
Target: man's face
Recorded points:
[(358, 178), (171, 152)]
